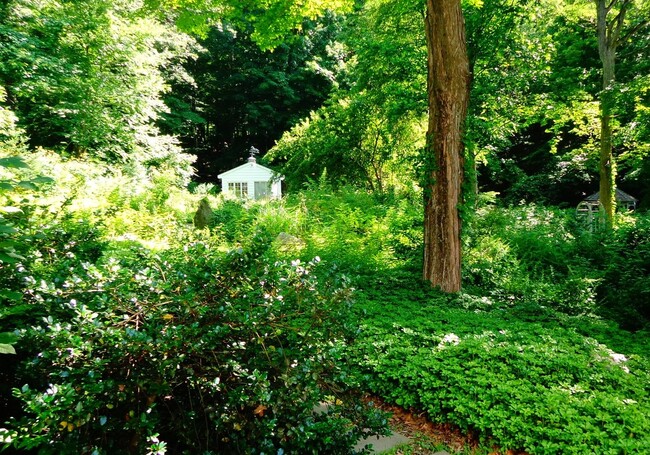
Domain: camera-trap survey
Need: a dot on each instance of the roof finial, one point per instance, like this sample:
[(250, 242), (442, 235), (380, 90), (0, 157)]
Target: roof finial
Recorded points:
[(253, 151)]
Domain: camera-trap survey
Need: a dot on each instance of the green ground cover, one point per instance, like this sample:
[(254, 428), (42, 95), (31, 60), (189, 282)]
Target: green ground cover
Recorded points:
[(554, 385)]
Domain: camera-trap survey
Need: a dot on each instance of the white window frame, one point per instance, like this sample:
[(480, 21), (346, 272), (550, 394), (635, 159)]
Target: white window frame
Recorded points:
[(239, 189)]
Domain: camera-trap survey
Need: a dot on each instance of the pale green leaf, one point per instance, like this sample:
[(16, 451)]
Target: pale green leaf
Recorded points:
[(27, 185), (7, 349)]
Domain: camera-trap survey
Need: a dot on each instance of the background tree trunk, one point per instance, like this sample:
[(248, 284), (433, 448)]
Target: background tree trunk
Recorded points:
[(607, 170), (448, 95)]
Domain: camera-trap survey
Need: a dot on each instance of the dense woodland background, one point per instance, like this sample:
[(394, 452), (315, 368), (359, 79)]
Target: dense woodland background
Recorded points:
[(347, 94), (125, 327)]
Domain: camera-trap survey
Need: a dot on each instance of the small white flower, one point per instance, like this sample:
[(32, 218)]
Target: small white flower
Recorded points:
[(451, 338), (617, 358)]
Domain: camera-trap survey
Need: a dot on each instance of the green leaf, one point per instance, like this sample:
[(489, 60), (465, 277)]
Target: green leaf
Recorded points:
[(6, 229), (10, 258), (28, 185), (15, 162), (42, 179), (8, 338), (6, 186), (8, 244), (7, 349), (10, 295)]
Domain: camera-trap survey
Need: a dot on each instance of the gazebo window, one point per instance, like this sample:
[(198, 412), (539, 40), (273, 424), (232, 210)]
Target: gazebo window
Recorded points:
[(239, 189)]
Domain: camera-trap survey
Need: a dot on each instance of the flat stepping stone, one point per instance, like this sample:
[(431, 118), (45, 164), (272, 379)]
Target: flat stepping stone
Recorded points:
[(383, 443)]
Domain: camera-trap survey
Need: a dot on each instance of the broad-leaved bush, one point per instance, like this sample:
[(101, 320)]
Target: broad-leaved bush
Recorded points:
[(209, 352)]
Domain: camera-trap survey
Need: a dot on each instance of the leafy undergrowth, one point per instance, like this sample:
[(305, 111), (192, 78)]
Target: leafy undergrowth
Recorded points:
[(548, 384), (105, 277), (190, 350), (134, 332)]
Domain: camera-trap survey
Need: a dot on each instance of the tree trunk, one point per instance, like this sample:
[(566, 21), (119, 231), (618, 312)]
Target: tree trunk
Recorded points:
[(607, 167), (448, 95)]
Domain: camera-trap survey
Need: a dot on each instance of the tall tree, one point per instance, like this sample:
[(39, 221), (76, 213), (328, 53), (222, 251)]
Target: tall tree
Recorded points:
[(448, 96), (610, 22), (448, 79), (609, 33), (371, 129)]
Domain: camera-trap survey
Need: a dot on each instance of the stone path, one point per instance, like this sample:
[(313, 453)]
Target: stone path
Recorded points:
[(381, 444)]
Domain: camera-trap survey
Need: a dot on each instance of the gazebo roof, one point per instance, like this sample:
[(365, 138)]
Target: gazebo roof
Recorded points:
[(621, 196)]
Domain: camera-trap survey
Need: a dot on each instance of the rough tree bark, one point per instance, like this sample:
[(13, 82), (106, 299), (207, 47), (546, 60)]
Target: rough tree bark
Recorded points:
[(448, 95)]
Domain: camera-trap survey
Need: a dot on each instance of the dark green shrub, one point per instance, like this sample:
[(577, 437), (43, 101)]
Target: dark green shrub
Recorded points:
[(198, 351), (56, 267), (625, 288)]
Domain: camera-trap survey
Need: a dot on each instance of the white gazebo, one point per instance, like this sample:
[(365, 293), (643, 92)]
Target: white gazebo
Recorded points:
[(590, 210), (251, 180)]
